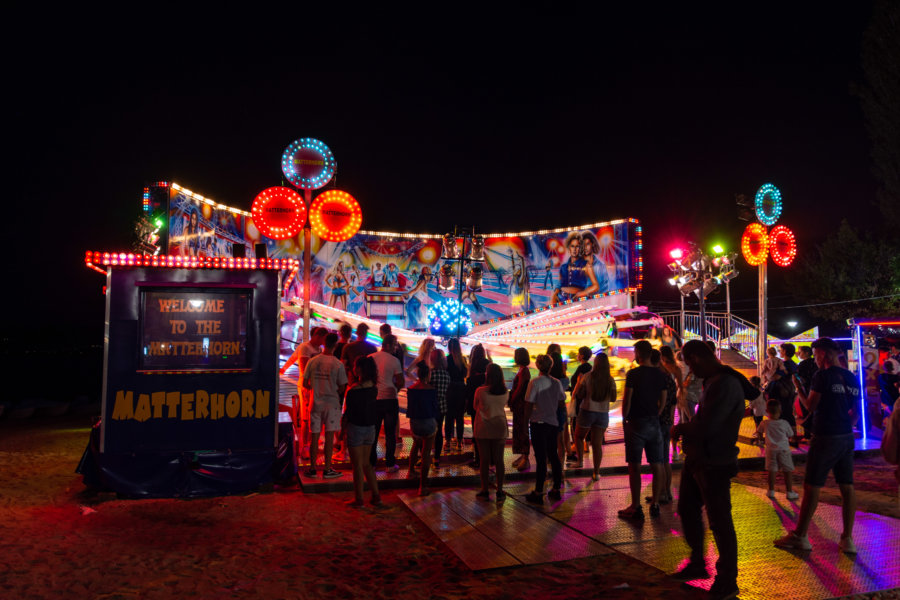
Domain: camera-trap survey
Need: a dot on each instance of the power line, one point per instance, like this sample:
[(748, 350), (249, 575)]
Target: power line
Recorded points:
[(837, 302)]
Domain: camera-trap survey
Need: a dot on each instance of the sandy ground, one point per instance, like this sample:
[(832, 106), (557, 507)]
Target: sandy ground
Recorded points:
[(61, 541)]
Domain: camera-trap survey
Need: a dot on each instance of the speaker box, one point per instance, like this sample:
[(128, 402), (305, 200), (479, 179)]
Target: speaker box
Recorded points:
[(260, 250), (238, 250)]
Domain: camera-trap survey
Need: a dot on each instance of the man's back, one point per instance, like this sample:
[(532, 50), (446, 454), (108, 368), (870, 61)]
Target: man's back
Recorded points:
[(388, 366), (647, 385), (839, 392), (718, 419), (326, 374)]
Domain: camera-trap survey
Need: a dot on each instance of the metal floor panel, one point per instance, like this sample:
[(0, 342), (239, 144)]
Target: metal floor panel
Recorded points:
[(765, 571)]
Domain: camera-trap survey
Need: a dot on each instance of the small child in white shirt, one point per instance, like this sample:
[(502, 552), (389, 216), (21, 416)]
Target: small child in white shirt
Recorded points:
[(778, 451), (758, 408), (771, 367)]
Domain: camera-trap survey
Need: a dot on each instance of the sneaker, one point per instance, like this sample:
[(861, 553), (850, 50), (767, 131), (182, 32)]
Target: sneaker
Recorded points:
[(654, 510), (792, 495), (572, 458), (483, 495), (723, 591), (690, 572), (771, 494), (847, 546), (331, 474), (392, 468), (534, 498), (354, 503), (310, 472), (501, 496), (632, 514), (792, 540), (554, 494), (595, 476)]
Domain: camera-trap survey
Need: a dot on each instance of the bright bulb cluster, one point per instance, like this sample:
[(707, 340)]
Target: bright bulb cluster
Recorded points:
[(448, 317), (783, 246), (320, 169), (769, 197)]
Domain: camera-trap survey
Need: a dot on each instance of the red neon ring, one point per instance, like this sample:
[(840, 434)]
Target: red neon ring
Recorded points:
[(754, 244), (783, 245)]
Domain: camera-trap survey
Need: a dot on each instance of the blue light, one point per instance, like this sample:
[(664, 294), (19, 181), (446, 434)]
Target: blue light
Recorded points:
[(290, 163), (449, 318), (774, 197)]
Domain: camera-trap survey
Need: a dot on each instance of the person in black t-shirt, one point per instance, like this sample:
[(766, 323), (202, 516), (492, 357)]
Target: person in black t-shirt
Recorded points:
[(834, 399), (358, 424), (645, 397), (805, 371)]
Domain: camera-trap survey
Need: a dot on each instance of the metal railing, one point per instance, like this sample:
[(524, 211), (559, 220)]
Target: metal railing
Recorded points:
[(734, 333)]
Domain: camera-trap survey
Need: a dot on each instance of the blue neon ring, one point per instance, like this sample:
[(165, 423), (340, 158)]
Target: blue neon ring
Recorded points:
[(768, 190), (321, 178)]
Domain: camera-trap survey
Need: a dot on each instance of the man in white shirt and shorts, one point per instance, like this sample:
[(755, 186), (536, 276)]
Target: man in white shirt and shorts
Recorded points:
[(326, 378)]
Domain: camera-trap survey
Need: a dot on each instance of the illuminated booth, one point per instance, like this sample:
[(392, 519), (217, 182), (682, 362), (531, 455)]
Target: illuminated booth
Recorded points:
[(872, 341), (190, 386)]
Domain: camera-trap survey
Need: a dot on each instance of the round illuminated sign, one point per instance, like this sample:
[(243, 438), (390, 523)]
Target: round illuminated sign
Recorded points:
[(754, 244), (335, 216), (279, 213), (308, 164), (783, 246), (768, 204)]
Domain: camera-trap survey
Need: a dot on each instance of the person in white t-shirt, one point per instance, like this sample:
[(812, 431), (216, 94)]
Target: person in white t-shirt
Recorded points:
[(778, 451), (387, 408), (304, 353), (326, 378)]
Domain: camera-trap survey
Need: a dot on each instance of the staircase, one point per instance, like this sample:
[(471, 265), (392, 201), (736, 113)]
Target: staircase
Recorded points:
[(738, 362)]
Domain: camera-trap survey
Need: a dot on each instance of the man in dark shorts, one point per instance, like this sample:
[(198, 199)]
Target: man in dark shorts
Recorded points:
[(834, 400), (645, 397), (710, 449)]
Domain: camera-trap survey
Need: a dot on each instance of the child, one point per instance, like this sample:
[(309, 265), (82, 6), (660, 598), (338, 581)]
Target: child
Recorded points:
[(778, 452), (758, 407), (771, 367)]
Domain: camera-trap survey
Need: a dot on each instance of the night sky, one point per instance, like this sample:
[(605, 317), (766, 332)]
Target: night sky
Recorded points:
[(513, 120)]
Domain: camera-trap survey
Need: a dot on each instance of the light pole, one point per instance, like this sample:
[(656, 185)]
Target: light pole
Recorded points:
[(695, 271)]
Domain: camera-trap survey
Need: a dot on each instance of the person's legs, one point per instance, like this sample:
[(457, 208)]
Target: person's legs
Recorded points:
[(369, 472), (496, 452), (771, 474), (358, 455), (807, 508), (391, 422), (658, 481), (597, 434), (690, 504), (438, 437), (485, 464), (539, 443), (313, 449), (427, 445), (555, 462), (788, 485), (715, 486), (414, 454), (848, 508), (329, 449), (580, 434)]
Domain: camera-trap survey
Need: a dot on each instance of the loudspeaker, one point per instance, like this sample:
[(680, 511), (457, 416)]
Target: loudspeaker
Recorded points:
[(260, 250), (238, 250)]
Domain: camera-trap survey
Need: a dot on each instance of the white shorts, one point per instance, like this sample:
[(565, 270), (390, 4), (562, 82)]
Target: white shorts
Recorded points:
[(327, 416), (779, 460)]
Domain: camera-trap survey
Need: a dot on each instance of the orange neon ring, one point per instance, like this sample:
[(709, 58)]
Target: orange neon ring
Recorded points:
[(754, 244), (335, 216), (783, 245), (279, 213)]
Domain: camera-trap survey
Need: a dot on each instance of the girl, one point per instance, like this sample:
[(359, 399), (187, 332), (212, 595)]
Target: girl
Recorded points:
[(457, 368), (521, 442), (358, 426), (490, 429), (422, 408), (596, 390)]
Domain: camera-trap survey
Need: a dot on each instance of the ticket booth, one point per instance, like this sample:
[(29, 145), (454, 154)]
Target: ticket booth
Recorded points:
[(190, 375), (872, 343)]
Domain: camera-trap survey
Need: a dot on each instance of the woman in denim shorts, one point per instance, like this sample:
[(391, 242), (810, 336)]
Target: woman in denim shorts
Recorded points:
[(358, 425), (596, 390), (422, 410)]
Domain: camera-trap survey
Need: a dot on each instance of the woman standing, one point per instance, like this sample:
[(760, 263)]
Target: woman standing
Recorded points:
[(596, 389), (457, 367), (358, 425), (521, 442), (440, 379), (490, 429), (543, 401), (478, 363), (558, 370), (422, 408), (422, 357)]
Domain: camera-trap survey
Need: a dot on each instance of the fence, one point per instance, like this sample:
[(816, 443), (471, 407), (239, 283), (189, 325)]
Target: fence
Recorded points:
[(733, 332)]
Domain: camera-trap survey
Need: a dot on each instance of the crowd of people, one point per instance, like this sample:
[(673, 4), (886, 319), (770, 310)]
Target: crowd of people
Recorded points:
[(558, 420)]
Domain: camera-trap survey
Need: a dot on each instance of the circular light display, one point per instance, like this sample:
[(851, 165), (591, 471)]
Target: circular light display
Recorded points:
[(783, 246), (308, 164), (754, 244), (449, 318), (768, 204), (279, 213), (335, 216)]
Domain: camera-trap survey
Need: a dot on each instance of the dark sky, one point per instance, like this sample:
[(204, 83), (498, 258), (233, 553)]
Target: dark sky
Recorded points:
[(512, 120)]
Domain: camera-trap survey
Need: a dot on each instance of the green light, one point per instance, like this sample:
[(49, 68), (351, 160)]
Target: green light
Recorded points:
[(158, 223), (718, 249)]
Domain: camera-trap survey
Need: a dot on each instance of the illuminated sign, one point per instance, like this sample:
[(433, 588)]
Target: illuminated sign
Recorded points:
[(279, 213), (335, 216), (308, 164)]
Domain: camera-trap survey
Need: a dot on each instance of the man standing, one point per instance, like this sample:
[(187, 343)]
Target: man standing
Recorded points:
[(645, 397), (360, 347), (710, 449), (387, 409), (305, 352), (834, 400), (805, 371), (325, 378), (345, 331)]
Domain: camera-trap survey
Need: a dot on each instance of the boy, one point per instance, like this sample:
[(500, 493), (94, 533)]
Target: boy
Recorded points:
[(778, 452)]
